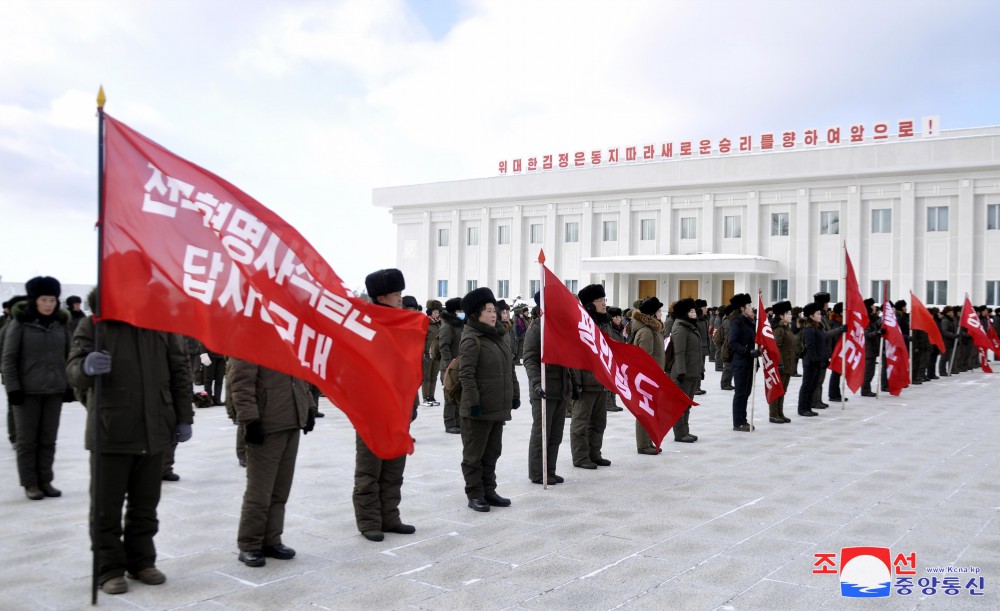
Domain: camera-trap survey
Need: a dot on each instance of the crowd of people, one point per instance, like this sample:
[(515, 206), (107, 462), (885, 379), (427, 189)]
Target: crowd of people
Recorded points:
[(473, 346)]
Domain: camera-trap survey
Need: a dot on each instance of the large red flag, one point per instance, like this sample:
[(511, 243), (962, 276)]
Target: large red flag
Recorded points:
[(922, 320), (896, 359), (769, 352), (991, 335), (970, 322), (571, 339), (850, 348), (186, 252)]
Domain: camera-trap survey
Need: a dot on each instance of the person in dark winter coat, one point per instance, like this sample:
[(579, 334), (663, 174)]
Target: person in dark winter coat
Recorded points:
[(145, 406), (823, 299), (873, 339), (815, 340), (741, 342), (701, 306), (489, 392), (688, 368), (378, 482), (949, 333), (724, 362), (432, 353), (590, 415), (647, 333), (74, 305), (449, 338), (788, 349), (616, 333), (34, 373), (558, 387), (6, 318)]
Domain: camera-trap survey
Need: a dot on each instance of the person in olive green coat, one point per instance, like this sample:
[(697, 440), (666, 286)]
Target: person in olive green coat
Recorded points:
[(647, 333), (489, 392), (145, 405), (449, 337), (558, 386), (788, 349), (688, 367), (432, 354), (590, 413)]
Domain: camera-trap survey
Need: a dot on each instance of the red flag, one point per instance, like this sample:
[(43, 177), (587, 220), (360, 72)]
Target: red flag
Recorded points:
[(991, 335), (186, 252), (571, 339), (970, 322), (769, 352), (984, 362), (895, 358), (850, 347), (922, 320)]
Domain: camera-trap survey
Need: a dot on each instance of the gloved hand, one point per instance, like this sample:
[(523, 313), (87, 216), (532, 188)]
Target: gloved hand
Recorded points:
[(68, 395), (754, 353), (205, 359), (575, 395), (883, 331), (183, 432), (475, 411), (253, 432), (680, 378), (97, 363), (15, 397), (781, 369), (517, 403), (537, 389), (310, 422)]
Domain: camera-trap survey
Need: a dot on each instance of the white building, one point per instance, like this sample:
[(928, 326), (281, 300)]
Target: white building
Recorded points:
[(918, 213)]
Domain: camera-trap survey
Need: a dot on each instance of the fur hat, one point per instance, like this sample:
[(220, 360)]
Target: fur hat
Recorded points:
[(73, 299), (811, 308), (947, 309), (432, 304), (591, 293), (869, 303), (821, 297), (650, 305), (384, 281), (700, 303), (453, 305), (42, 285), (612, 312), (475, 300), (502, 305), (681, 308), (838, 308), (740, 299), (781, 308), (899, 305), (410, 302), (729, 309)]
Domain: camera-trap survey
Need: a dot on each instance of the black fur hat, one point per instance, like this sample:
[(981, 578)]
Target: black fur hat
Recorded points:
[(42, 285), (811, 308), (740, 299), (612, 312), (384, 281), (869, 303), (838, 308), (432, 304), (650, 305), (729, 309), (475, 300), (502, 305), (700, 303), (410, 302), (899, 305), (591, 293), (821, 297), (73, 299), (453, 305), (780, 308), (682, 307)]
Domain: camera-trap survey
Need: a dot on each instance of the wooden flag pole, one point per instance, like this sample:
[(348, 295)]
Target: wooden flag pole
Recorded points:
[(543, 400), (95, 455)]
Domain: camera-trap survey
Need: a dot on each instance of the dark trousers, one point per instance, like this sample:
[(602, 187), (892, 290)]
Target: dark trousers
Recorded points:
[(132, 480), (817, 396), (945, 360), (932, 361), (482, 443), (776, 409), (168, 458), (833, 387), (742, 376), (196, 369), (214, 375), (586, 429), (869, 372), (270, 468), (555, 423), (37, 425), (11, 427), (727, 375), (811, 381), (689, 387), (430, 378), (378, 486), (241, 445)]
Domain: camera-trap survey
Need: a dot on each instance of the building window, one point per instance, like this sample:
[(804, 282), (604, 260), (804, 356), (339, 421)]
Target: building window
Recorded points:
[(535, 234), (472, 236), (689, 225), (993, 293), (571, 285), (647, 229), (503, 289), (937, 292), (993, 216), (882, 220), (829, 286), (442, 237), (471, 285), (533, 287), (572, 232), (937, 220), (779, 225), (442, 288), (610, 231), (779, 290), (503, 234), (734, 227), (829, 222), (880, 291)]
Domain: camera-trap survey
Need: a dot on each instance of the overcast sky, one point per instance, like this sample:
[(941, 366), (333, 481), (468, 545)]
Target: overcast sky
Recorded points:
[(308, 106)]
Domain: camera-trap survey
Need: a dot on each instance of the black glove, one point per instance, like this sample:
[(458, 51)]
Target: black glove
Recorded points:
[(475, 411), (781, 369), (575, 395), (183, 432), (516, 404), (538, 391), (15, 397), (680, 378), (253, 432), (68, 395), (310, 422), (883, 331), (754, 353), (97, 363)]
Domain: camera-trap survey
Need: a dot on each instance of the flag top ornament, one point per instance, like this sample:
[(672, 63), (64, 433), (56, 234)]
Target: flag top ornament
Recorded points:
[(187, 252)]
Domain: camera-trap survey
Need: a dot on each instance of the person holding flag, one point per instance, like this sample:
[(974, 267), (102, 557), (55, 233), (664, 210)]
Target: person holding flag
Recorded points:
[(873, 340), (949, 335), (743, 350), (816, 342), (687, 368), (590, 415), (647, 333), (556, 393), (788, 348)]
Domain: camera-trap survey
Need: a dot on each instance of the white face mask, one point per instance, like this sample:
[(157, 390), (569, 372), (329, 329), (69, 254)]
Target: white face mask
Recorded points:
[(461, 315)]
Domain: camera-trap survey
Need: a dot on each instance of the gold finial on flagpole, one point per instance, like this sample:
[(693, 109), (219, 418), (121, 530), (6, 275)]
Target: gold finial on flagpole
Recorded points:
[(100, 97)]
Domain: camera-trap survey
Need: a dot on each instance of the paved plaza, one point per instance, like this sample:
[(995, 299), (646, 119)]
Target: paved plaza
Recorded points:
[(730, 522)]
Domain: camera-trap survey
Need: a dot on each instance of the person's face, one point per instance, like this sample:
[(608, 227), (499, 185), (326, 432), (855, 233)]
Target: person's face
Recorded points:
[(816, 316), (617, 320), (435, 314), (692, 313), (393, 300), (787, 317), (75, 307), (748, 310), (505, 315), (46, 304), (489, 315), (950, 314), (601, 305), (703, 310)]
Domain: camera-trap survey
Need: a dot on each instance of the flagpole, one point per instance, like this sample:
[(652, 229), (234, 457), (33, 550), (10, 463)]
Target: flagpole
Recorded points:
[(95, 456), (756, 366), (843, 344), (543, 400), (958, 335), (881, 360)]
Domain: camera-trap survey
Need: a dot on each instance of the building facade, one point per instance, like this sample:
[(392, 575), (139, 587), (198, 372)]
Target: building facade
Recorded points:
[(920, 214)]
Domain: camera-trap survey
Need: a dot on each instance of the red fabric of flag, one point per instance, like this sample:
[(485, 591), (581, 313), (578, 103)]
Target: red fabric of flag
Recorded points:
[(852, 344), (991, 334), (922, 320), (571, 338), (769, 353), (895, 359), (187, 252), (970, 322)]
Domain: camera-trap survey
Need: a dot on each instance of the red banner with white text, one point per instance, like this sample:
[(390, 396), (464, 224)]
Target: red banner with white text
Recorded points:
[(921, 319), (187, 252), (895, 358), (773, 388), (571, 338), (850, 348), (970, 322)]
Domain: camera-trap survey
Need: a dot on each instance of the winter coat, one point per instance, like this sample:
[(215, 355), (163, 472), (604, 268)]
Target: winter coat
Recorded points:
[(703, 332), (34, 354), (74, 321), (449, 337), (431, 349), (584, 378), (741, 339), (816, 342), (647, 333), (873, 336), (147, 393), (788, 346), (558, 384), (689, 360), (487, 372), (281, 402)]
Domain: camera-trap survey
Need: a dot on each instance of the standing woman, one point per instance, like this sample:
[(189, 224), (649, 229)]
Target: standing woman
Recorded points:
[(35, 348), (647, 333), (788, 348), (489, 392), (688, 367), (815, 354)]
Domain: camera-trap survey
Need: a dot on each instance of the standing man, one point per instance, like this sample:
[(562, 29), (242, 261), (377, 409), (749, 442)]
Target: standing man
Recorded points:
[(949, 333), (557, 390), (75, 306), (724, 363), (145, 406), (742, 335), (449, 338), (702, 307), (6, 318), (873, 337), (378, 482), (432, 354), (822, 299), (590, 414)]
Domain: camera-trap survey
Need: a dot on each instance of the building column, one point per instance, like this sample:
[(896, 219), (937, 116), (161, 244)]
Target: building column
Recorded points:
[(969, 274), (752, 238), (455, 246), (425, 248), (625, 228), (516, 254), (487, 241), (799, 278), (904, 277), (586, 239), (666, 228), (706, 233), (850, 232)]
